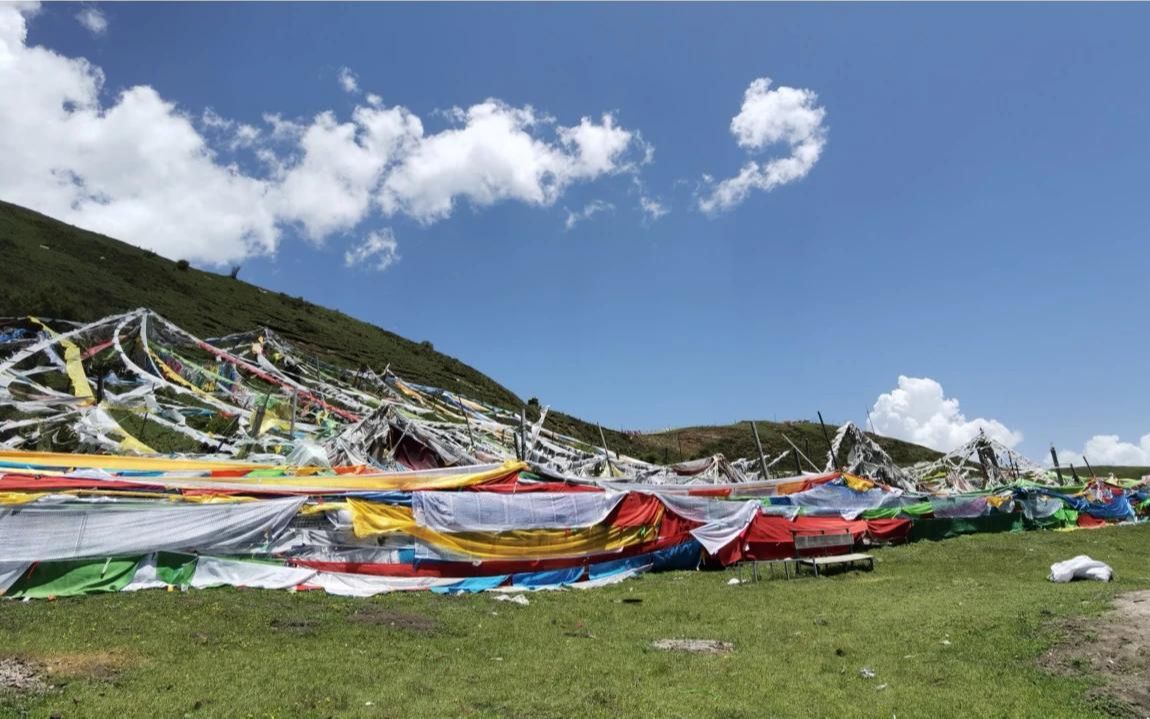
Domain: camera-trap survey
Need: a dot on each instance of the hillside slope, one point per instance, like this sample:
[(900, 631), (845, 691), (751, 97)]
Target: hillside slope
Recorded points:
[(57, 270), (61, 271)]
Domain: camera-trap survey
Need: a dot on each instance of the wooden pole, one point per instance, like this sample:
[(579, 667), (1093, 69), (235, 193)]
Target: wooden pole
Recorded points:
[(830, 447), (470, 437), (294, 403), (606, 454), (258, 419), (759, 444), (1089, 468), (799, 453), (523, 429), (227, 432), (1058, 469)]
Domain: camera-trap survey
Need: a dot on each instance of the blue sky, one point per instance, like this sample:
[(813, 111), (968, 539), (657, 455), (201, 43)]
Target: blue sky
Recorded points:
[(977, 214)]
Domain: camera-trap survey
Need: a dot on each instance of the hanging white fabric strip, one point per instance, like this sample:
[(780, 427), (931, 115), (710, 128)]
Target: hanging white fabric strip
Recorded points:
[(364, 585), (10, 571), (216, 572), (489, 512), (41, 533)]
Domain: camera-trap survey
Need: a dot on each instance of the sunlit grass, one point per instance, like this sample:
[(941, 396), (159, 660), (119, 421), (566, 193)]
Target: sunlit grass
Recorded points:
[(949, 629)]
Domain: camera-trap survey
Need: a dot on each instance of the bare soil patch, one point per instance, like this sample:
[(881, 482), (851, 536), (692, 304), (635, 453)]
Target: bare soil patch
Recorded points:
[(97, 666), (698, 646), (407, 621), (305, 627), (21, 676), (1113, 648)]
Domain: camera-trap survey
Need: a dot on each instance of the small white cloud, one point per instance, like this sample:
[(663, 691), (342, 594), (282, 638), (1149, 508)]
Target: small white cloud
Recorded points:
[(1105, 449), (212, 119), (919, 411), (652, 208), (283, 129), (785, 115), (93, 19), (245, 136), (237, 134), (378, 251), (373, 99), (348, 81), (593, 208)]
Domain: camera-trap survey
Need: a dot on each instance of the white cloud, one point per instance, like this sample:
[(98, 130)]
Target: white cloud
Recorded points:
[(379, 250), (212, 119), (141, 169), (593, 208), (498, 153), (918, 411), (136, 169), (348, 81), (93, 19), (1104, 449), (331, 186), (652, 208), (236, 135), (785, 115)]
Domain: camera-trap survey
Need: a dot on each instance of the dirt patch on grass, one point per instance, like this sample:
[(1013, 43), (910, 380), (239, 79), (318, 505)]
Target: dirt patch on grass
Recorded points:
[(407, 621), (697, 646), (1114, 648), (96, 666), (28, 675), (20, 676), (305, 627)]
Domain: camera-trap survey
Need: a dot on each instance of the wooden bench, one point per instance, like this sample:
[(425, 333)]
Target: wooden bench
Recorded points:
[(808, 544)]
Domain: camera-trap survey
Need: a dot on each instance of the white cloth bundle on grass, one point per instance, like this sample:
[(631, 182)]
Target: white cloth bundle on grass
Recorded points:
[(1081, 567)]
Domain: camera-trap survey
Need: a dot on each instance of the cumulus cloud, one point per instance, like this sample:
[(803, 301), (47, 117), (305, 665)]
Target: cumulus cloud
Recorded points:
[(593, 208), (93, 19), (378, 251), (348, 81), (331, 186), (652, 209), (234, 134), (141, 169), (919, 411), (1102, 449), (784, 116), (497, 152), (137, 169)]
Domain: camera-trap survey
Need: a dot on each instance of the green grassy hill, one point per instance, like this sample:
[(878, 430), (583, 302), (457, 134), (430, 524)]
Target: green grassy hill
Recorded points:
[(64, 272), (57, 270)]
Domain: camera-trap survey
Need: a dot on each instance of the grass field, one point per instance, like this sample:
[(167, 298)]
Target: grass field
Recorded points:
[(949, 629)]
